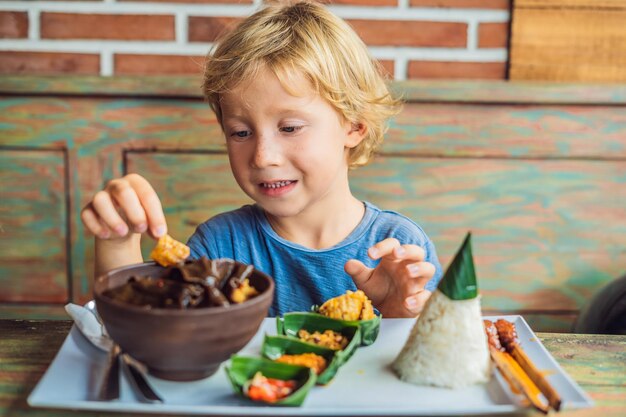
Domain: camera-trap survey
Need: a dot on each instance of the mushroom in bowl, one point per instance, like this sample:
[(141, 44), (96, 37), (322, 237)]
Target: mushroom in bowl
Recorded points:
[(183, 321)]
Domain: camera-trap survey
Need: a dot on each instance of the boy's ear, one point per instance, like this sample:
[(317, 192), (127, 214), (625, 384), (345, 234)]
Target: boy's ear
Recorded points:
[(356, 134)]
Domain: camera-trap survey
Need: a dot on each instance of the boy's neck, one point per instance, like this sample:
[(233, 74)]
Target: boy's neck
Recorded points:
[(320, 230)]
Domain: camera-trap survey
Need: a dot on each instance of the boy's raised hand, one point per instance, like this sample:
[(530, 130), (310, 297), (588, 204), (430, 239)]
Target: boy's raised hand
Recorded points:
[(127, 204), (396, 285)]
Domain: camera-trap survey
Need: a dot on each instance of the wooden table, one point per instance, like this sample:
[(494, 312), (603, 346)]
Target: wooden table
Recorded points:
[(27, 347)]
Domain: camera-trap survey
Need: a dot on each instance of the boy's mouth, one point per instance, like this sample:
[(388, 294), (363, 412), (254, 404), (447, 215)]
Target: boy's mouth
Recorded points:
[(277, 188), (276, 184)]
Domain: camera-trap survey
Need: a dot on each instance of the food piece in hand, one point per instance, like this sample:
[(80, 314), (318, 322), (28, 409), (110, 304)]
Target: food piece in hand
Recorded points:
[(349, 306), (268, 390), (447, 346), (310, 360), (169, 252), (328, 339)]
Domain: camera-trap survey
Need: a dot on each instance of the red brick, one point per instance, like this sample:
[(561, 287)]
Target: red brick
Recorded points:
[(493, 35), (463, 4), (135, 64), (411, 33), (107, 26), (193, 1), (13, 25), (209, 29), (15, 62), (460, 70), (361, 2)]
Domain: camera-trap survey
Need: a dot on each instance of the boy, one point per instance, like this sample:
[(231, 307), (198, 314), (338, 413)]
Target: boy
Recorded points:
[(300, 102)]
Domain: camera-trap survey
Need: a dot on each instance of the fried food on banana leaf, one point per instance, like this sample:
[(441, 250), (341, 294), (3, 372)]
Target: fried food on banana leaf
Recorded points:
[(349, 306)]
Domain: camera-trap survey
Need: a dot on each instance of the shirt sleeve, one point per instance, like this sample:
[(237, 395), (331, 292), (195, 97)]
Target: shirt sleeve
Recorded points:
[(431, 256)]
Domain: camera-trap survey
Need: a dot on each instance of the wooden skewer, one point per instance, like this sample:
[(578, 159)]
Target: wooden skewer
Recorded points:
[(535, 375), (508, 337), (517, 378)]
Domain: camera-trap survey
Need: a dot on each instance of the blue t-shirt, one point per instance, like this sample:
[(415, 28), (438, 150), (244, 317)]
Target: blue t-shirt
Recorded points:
[(304, 276)]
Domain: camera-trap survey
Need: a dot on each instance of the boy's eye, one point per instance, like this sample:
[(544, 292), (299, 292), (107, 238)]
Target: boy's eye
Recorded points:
[(240, 134), (290, 129)]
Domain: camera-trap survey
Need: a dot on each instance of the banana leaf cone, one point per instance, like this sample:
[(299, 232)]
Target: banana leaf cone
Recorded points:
[(276, 346), (290, 323), (243, 368), (452, 312), (459, 281)]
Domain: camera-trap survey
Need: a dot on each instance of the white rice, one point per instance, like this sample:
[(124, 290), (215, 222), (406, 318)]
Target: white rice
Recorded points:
[(447, 346)]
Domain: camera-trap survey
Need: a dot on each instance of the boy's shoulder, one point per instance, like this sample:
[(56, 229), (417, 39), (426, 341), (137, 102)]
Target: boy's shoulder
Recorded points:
[(394, 224), (215, 237), (242, 217)]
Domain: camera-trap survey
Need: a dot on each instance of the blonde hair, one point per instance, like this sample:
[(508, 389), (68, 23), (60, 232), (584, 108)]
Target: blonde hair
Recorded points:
[(305, 38)]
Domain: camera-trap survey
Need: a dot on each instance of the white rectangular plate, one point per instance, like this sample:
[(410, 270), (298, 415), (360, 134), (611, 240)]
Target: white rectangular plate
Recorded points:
[(365, 385)]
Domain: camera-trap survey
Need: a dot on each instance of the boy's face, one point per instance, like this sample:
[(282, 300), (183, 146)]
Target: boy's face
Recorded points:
[(288, 153)]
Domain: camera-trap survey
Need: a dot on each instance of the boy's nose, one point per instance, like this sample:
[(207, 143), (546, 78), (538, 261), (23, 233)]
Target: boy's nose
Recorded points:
[(267, 152)]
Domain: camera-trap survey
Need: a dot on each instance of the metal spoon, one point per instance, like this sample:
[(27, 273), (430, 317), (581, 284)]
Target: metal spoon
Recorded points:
[(88, 322)]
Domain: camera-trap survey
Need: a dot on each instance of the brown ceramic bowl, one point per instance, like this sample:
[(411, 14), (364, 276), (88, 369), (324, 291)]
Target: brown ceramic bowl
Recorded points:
[(180, 345)]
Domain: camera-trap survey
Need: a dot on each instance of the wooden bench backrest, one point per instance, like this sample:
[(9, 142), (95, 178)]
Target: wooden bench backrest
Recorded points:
[(536, 172)]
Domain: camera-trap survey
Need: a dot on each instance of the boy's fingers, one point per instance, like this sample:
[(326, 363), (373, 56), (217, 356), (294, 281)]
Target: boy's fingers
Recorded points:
[(358, 271), (420, 270), (127, 199), (151, 204), (383, 248), (412, 252), (415, 303), (107, 212), (413, 286), (105, 232), (93, 224)]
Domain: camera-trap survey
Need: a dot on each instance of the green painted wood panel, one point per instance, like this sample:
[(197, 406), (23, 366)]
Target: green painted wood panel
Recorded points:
[(547, 233), (33, 311), (33, 226), (513, 131), (193, 188), (96, 125), (454, 130), (465, 91), (95, 134), (482, 91)]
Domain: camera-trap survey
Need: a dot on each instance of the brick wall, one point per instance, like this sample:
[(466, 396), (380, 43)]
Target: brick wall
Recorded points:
[(412, 38)]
